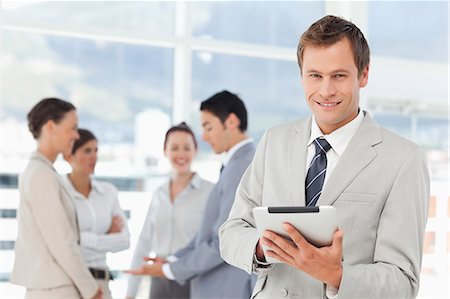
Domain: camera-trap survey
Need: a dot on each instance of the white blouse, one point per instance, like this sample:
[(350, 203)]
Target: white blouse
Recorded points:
[(94, 215), (169, 226)]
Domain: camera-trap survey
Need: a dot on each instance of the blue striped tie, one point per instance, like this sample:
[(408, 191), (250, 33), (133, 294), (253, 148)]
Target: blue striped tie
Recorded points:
[(316, 172)]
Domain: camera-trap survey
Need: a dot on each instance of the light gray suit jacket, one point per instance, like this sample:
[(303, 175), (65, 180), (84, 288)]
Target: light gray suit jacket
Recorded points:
[(200, 260), (380, 188), (47, 254)]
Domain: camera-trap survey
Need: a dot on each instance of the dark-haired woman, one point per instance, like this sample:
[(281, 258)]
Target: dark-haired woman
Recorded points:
[(102, 222), (48, 260), (174, 214)]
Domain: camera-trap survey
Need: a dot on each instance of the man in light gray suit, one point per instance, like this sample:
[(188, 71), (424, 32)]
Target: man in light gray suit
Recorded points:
[(224, 121), (377, 181)]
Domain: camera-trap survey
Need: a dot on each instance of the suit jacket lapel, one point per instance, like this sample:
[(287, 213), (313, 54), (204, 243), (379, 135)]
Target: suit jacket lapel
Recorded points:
[(242, 150), (358, 154), (296, 153)]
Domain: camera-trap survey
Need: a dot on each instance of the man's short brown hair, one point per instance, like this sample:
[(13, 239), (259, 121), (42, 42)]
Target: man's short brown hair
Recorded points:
[(328, 31)]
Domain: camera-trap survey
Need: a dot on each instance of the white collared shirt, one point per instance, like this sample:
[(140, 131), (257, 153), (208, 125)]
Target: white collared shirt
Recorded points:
[(94, 215), (169, 226), (227, 155), (338, 139)]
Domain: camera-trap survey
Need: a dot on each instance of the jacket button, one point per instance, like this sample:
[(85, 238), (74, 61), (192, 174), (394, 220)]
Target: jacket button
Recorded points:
[(283, 292)]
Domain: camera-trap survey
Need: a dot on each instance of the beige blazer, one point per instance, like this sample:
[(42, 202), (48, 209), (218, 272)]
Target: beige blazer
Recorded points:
[(380, 188), (47, 253)]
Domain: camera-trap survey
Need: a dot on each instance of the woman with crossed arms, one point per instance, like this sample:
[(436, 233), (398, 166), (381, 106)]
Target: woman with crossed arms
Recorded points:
[(102, 222)]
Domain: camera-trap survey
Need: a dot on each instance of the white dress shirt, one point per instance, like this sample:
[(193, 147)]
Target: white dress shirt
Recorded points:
[(169, 226), (338, 139), (94, 215)]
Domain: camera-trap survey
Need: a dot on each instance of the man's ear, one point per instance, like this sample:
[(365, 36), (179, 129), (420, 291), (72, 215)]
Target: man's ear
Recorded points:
[(232, 121), (364, 77)]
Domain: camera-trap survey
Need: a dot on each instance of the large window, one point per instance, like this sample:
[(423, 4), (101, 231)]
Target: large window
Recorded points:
[(110, 83), (276, 23), (409, 29), (130, 19)]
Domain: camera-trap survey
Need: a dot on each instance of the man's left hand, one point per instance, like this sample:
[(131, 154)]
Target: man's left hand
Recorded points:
[(154, 270), (325, 263)]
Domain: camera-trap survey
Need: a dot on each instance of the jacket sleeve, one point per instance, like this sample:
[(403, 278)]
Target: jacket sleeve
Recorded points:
[(238, 235), (59, 235), (186, 249), (198, 257)]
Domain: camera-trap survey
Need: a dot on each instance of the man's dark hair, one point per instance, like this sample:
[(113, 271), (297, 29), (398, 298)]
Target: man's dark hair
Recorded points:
[(328, 31), (47, 109), (222, 104), (85, 137)]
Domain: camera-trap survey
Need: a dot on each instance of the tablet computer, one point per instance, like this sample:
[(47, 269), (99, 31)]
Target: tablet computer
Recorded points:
[(317, 224)]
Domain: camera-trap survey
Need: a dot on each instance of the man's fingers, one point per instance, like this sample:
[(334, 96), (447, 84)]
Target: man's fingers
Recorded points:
[(148, 259), (338, 238), (272, 254), (133, 271), (298, 239), (278, 245)]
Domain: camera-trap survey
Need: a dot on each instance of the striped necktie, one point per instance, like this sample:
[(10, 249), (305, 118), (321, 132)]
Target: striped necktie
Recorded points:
[(316, 172)]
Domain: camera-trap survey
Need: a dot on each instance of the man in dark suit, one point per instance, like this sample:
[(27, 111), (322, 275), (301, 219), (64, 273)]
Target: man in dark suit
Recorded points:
[(224, 122)]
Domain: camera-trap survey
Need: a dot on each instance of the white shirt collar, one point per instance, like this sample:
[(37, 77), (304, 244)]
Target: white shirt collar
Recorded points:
[(338, 139), (95, 186), (194, 183), (227, 156)]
